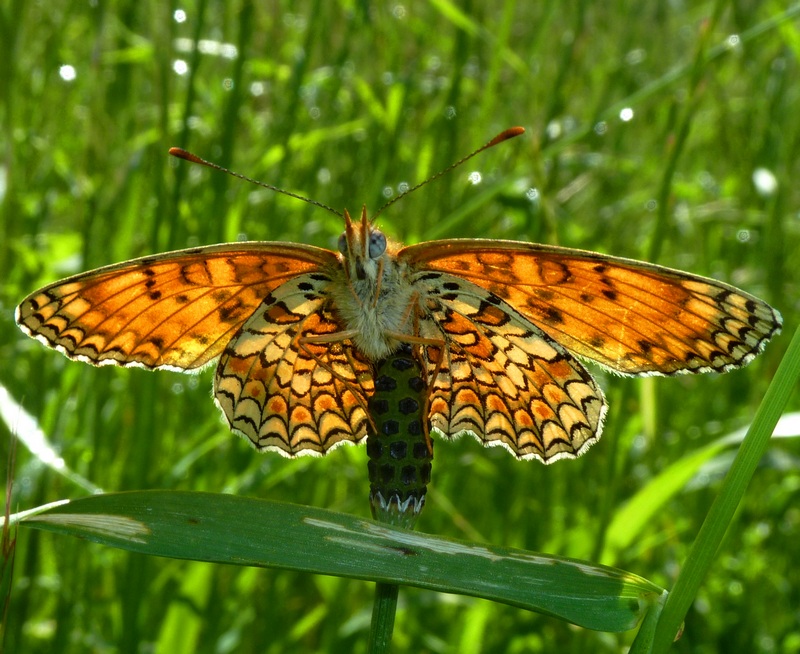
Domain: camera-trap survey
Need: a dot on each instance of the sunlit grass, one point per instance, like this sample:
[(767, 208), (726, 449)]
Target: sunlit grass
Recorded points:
[(340, 102)]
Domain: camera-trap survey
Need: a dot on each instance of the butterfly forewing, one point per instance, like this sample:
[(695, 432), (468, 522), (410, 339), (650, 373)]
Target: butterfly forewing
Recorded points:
[(635, 318), (501, 378), (284, 389), (176, 310)]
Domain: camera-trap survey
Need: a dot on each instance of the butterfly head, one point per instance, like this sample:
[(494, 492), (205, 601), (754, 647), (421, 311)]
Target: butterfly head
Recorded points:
[(362, 246)]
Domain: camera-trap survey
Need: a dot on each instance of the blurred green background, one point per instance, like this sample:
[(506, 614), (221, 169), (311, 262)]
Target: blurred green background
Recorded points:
[(661, 131)]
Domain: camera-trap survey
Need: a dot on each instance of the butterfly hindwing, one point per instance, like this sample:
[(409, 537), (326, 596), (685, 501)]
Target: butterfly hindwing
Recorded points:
[(283, 389), (501, 378)]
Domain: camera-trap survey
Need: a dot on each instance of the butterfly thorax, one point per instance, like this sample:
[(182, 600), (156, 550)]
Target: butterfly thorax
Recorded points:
[(372, 291)]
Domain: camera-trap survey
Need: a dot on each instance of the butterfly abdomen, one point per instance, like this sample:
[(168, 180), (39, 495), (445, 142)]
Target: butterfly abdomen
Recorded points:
[(399, 448)]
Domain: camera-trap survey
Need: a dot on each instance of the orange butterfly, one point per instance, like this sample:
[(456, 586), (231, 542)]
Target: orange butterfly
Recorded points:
[(496, 325)]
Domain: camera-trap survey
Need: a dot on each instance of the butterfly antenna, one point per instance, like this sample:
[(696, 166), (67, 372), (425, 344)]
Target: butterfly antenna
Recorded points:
[(180, 153), (502, 136)]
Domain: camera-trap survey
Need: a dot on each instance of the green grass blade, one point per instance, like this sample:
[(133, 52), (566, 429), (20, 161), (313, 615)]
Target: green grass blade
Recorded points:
[(245, 531), (719, 517), (384, 610), (27, 430), (632, 519), (629, 521)]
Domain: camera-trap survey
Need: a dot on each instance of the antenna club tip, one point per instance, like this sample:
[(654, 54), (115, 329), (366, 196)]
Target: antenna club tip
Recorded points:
[(180, 153), (510, 133)]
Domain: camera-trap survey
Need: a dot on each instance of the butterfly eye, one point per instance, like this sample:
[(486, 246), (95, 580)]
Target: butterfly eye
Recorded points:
[(377, 244), (342, 245)]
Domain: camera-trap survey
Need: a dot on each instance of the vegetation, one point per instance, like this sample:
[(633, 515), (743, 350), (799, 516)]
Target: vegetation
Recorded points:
[(663, 132)]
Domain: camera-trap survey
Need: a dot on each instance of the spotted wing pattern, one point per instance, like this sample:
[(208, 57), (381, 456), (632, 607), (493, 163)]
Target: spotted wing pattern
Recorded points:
[(632, 317), (500, 321), (176, 310), (501, 378), (286, 391)]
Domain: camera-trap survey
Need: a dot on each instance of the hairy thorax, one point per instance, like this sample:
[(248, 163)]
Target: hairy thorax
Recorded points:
[(376, 301)]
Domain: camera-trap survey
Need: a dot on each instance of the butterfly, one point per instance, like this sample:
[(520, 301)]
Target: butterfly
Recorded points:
[(498, 327)]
